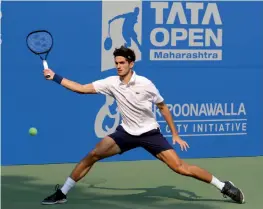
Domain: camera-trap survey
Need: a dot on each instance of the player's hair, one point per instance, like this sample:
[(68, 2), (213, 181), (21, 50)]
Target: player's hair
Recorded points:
[(125, 52)]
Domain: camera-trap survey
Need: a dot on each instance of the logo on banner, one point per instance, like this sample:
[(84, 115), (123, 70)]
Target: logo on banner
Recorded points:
[(177, 31), (186, 31), (122, 26), (105, 117)]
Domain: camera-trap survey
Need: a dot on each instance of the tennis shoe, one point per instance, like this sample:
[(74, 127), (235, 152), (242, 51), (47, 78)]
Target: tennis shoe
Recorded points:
[(56, 198), (233, 192)]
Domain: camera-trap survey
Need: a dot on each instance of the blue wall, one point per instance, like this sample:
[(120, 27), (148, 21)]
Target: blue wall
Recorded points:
[(231, 86)]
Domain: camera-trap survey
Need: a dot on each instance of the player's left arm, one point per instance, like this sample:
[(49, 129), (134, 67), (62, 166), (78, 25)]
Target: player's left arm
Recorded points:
[(158, 100), (169, 119)]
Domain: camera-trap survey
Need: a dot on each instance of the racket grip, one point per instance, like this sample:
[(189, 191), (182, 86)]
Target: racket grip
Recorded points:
[(45, 67), (45, 64)]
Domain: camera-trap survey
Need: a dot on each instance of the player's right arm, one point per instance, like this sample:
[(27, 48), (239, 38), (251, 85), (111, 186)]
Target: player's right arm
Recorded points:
[(71, 85), (77, 87)]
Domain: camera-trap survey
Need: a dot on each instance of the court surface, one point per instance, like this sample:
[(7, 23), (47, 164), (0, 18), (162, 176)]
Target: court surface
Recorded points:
[(133, 185)]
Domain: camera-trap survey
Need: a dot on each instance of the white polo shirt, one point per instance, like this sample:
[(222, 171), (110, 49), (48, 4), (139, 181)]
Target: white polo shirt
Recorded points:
[(134, 101)]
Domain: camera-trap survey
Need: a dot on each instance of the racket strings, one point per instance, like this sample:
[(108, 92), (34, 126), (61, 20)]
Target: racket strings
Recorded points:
[(40, 42)]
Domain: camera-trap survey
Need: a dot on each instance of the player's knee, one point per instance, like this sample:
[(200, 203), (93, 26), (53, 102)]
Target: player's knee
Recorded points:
[(181, 169), (95, 155)]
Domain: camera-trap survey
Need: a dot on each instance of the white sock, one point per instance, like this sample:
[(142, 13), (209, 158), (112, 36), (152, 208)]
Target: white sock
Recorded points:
[(217, 183), (68, 185)]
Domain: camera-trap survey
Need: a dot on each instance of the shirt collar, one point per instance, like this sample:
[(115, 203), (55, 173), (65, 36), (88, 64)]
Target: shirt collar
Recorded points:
[(132, 80)]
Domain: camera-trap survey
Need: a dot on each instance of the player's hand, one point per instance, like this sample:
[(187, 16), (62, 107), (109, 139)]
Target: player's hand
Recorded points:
[(48, 72), (183, 144)]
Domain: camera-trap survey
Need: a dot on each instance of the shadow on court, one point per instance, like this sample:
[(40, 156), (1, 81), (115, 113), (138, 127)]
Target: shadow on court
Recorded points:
[(21, 192)]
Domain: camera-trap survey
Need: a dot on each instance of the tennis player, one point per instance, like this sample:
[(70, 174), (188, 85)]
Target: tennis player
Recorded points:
[(134, 95)]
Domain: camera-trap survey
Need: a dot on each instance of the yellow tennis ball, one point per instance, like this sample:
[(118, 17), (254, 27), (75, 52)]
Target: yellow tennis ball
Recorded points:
[(33, 131)]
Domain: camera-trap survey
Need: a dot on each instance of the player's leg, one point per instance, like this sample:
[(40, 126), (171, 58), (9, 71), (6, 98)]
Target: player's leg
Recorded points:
[(105, 148), (116, 143), (171, 159), (158, 146)]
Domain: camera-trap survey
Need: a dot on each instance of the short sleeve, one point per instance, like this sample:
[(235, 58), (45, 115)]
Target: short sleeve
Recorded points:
[(156, 97), (103, 86)]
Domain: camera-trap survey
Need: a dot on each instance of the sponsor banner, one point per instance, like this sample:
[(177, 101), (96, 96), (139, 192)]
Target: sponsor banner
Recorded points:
[(205, 57)]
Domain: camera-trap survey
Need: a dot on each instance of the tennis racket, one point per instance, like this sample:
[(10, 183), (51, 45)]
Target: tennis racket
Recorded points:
[(40, 42)]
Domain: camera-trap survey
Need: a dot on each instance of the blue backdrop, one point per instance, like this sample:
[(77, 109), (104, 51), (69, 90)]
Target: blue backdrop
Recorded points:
[(215, 97)]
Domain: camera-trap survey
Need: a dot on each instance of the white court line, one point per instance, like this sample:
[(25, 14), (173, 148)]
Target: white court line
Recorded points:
[(213, 120), (227, 134)]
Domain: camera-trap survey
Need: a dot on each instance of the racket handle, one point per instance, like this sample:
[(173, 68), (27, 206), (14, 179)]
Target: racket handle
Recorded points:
[(45, 64), (45, 67)]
